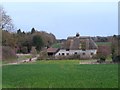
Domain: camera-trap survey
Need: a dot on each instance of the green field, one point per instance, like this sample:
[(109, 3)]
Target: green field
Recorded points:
[(103, 43), (60, 74)]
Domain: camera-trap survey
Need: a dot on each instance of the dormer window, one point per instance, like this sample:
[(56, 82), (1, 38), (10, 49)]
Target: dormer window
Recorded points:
[(67, 49), (83, 50)]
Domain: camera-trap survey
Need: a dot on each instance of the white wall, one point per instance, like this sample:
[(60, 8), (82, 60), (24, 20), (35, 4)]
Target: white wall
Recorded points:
[(79, 52)]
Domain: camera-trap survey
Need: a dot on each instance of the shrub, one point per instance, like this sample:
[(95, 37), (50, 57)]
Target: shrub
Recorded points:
[(33, 52), (8, 54), (102, 59), (116, 59), (24, 50), (103, 52), (43, 55), (60, 57), (69, 57)]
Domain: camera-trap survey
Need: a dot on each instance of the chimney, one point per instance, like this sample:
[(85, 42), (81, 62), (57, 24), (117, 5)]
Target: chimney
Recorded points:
[(77, 34)]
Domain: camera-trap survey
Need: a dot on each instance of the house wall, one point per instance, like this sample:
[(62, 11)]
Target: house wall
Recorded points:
[(83, 54)]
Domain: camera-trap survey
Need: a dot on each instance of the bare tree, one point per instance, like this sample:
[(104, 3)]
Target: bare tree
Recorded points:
[(5, 20)]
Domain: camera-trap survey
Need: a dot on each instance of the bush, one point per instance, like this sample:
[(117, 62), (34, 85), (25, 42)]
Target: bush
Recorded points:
[(24, 50), (8, 54), (69, 57), (102, 59), (116, 59), (43, 55), (103, 52), (33, 52)]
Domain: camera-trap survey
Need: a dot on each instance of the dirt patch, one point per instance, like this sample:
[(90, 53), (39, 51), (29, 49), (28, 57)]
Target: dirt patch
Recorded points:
[(89, 63), (23, 61)]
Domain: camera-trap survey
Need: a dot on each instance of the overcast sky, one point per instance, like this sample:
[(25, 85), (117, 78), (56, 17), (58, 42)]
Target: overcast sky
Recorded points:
[(65, 19)]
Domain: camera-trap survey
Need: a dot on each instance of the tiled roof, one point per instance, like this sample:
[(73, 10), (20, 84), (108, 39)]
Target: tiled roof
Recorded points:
[(52, 50)]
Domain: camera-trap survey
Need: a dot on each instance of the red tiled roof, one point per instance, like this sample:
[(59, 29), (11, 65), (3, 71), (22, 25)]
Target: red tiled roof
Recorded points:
[(52, 50)]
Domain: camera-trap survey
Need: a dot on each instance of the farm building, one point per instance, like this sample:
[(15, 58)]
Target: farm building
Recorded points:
[(82, 54), (52, 51), (82, 46)]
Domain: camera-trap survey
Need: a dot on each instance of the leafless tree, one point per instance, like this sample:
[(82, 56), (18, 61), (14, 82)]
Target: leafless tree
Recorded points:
[(5, 21)]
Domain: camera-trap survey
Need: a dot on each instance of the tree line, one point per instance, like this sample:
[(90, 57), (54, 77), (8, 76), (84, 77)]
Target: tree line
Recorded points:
[(21, 41)]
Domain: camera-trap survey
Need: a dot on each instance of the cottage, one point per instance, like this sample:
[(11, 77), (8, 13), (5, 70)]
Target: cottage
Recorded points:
[(82, 46)]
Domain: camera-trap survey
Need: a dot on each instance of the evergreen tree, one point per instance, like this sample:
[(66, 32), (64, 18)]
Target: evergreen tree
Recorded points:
[(32, 30)]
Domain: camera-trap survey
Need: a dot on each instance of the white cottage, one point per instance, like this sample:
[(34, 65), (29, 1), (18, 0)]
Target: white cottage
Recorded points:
[(81, 53), (85, 47)]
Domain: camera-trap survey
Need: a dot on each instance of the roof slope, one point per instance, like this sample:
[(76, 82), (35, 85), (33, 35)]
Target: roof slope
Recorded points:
[(52, 50), (78, 43)]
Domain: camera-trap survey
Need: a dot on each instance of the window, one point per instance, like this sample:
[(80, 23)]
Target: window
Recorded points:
[(91, 53), (75, 53), (59, 53), (83, 50), (83, 53), (67, 53), (62, 53), (67, 49)]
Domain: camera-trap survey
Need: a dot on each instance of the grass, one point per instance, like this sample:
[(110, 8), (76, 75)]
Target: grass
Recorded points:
[(23, 57), (103, 43), (56, 45), (60, 74)]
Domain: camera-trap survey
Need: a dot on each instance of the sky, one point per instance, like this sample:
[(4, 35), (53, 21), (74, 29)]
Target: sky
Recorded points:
[(65, 19)]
